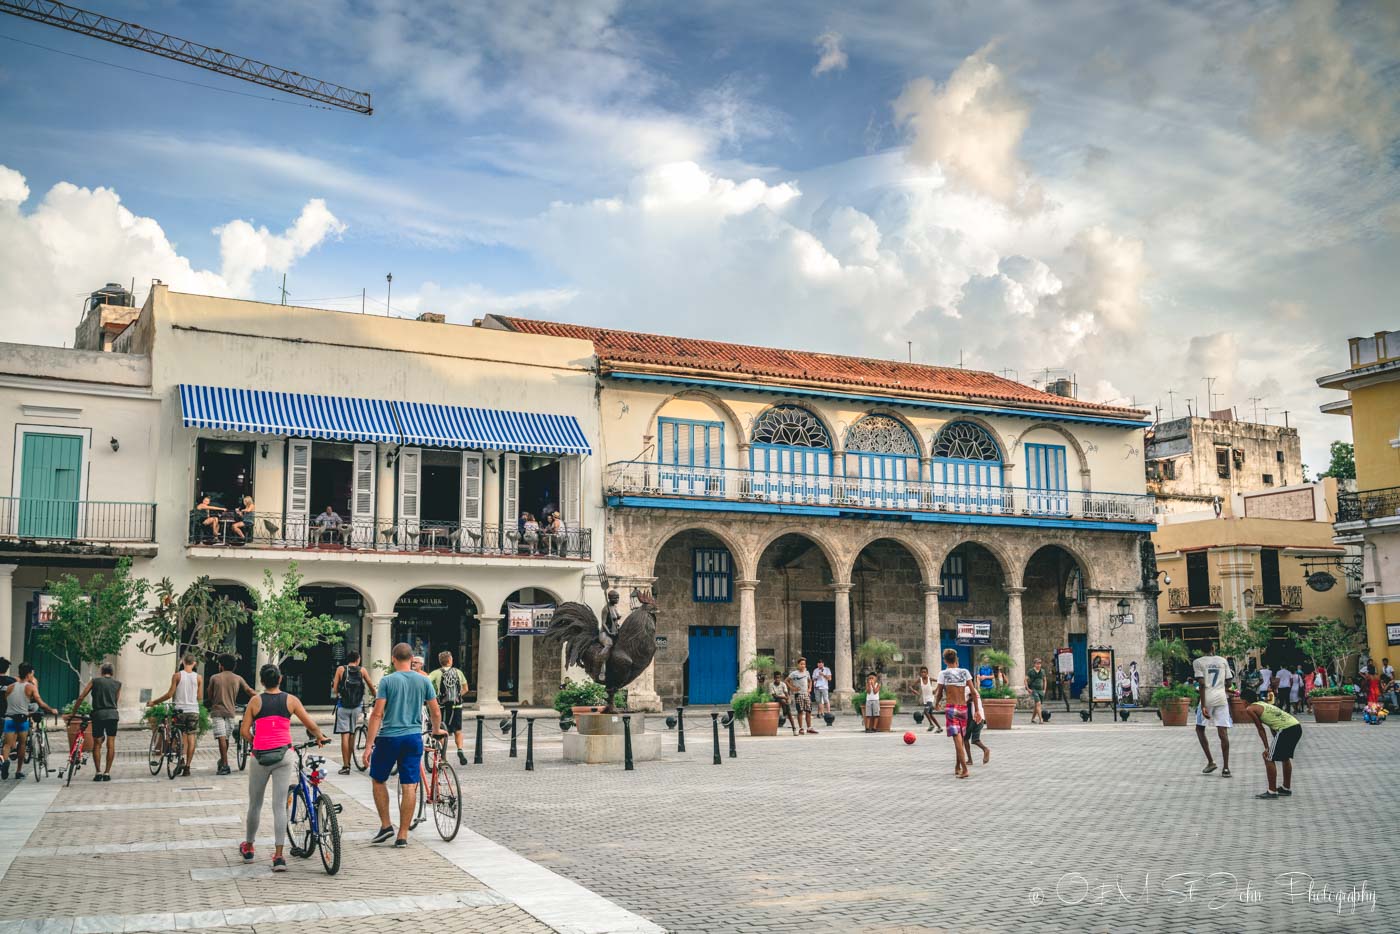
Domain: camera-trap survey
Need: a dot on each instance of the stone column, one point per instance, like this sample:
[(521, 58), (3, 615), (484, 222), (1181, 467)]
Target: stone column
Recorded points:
[(842, 690), (748, 634), (525, 685), (7, 611), (488, 676), (1093, 619), (1016, 637), (381, 641), (933, 630)]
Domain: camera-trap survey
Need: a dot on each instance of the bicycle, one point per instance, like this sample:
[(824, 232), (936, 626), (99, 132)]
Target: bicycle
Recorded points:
[(313, 824), (167, 746), (241, 744), (361, 738), (38, 742), (438, 787), (77, 753)]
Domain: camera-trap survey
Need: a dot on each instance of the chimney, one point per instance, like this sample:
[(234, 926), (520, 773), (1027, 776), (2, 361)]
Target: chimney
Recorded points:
[(433, 316)]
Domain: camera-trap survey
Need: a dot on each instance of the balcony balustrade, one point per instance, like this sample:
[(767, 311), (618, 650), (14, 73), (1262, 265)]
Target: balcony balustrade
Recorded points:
[(1179, 599), (77, 521), (747, 486), (1365, 505)]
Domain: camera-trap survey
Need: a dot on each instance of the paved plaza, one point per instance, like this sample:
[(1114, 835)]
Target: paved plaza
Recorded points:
[(1071, 827)]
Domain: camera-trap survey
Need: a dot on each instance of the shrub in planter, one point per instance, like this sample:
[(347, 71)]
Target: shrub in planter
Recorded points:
[(889, 706), (584, 694), (758, 709), (1173, 702), (1324, 703), (999, 703)]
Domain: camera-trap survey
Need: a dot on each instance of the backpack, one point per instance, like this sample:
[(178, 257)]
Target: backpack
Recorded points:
[(352, 687), (449, 687)]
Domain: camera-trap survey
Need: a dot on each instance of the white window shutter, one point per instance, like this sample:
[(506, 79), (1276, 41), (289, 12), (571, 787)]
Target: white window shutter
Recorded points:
[(510, 500), (570, 492), (297, 505), (667, 443), (410, 469), (362, 493), (471, 489)]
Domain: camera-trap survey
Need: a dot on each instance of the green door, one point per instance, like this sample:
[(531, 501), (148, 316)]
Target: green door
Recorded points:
[(48, 504), (58, 685)]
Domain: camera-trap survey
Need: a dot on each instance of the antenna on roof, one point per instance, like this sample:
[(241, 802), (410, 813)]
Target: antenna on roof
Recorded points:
[(388, 299)]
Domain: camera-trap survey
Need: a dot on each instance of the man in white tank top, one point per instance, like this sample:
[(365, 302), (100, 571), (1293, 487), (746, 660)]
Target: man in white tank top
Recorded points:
[(186, 688)]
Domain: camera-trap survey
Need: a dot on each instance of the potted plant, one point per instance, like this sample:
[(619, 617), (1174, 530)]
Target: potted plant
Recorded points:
[(757, 707), (1173, 702), (1168, 652), (876, 653), (1328, 643), (1326, 703), (1239, 640), (889, 707), (580, 697), (71, 721), (998, 701)]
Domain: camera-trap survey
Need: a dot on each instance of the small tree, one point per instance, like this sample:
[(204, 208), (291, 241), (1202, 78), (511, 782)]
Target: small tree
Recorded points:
[(1343, 463), (91, 621), (1238, 638), (282, 622), (764, 666), (197, 620), (876, 653), (1328, 643), (1167, 652)]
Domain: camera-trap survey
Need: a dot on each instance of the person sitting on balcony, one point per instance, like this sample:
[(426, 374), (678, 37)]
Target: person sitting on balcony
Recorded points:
[(529, 532), (243, 520), (207, 514), (554, 534), (327, 524)]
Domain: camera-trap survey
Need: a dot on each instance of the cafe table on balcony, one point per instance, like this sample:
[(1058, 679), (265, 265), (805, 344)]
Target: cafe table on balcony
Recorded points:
[(327, 527)]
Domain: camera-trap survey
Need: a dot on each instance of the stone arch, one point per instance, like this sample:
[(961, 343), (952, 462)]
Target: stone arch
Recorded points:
[(834, 560), (1074, 553), (915, 548), (477, 603), (370, 606), (1011, 567), (745, 563), (726, 412), (1067, 435), (921, 449), (837, 441)]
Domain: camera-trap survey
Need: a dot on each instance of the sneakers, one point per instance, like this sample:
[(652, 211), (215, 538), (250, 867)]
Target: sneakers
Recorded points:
[(97, 777), (344, 770), (1224, 773), (811, 732), (186, 772), (1286, 792), (279, 864), (246, 851), (401, 842), (5, 769), (1210, 767), (461, 757), (384, 834), (223, 769), (1268, 794)]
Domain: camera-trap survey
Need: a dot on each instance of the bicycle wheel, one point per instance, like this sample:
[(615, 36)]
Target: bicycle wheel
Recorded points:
[(75, 759), (156, 752), (39, 765), (174, 753), (299, 832), (242, 752), (361, 739), (328, 835), (447, 803)]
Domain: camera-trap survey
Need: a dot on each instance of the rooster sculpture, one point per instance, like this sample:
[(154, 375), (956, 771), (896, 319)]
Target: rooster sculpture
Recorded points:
[(613, 659)]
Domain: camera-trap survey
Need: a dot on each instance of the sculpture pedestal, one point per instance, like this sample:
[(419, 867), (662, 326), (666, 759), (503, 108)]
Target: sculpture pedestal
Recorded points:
[(599, 739)]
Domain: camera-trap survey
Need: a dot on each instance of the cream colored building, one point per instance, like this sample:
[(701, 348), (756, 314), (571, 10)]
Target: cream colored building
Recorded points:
[(1192, 462), (427, 440)]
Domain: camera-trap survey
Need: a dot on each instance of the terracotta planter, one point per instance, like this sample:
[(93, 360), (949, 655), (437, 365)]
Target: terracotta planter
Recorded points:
[(998, 711), (763, 719), (1174, 711), (579, 711), (72, 730), (1344, 708), (1324, 709), (886, 716), (1237, 709)]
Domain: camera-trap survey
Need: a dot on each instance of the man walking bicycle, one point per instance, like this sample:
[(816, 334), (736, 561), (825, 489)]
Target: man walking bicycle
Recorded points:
[(396, 739), (106, 692)]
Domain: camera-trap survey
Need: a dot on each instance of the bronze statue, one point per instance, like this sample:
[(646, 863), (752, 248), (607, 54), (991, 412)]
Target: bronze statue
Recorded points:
[(612, 658)]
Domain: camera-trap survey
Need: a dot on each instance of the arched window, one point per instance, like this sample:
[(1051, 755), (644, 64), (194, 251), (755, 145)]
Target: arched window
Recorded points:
[(965, 470), (881, 459), (880, 434), (788, 425), (790, 457)]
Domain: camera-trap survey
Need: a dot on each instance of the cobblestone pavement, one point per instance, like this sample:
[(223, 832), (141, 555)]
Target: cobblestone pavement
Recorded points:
[(1061, 831)]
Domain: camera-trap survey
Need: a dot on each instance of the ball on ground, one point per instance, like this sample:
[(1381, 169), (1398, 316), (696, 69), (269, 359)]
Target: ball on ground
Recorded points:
[(909, 739)]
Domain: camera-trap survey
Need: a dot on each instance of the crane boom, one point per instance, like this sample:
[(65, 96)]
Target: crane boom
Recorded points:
[(137, 37)]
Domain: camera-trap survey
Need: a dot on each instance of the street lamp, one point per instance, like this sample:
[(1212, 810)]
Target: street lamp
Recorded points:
[(1123, 617)]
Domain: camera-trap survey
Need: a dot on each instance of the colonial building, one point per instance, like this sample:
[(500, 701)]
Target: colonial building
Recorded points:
[(1370, 517), (1194, 462), (791, 503), (426, 441)]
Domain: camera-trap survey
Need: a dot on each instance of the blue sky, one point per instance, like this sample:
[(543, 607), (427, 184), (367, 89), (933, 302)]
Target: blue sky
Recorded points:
[(1145, 194)]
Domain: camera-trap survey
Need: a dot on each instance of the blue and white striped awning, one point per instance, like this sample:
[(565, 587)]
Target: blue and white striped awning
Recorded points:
[(295, 414), (455, 426)]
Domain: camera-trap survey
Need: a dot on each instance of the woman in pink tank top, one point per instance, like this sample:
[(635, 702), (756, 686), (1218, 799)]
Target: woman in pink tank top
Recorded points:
[(272, 711)]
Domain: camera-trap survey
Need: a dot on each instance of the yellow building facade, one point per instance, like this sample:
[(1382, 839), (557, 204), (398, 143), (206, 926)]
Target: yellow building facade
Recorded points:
[(1370, 516)]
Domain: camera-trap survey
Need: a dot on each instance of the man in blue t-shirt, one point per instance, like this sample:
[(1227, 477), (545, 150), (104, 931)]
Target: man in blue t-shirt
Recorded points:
[(396, 738)]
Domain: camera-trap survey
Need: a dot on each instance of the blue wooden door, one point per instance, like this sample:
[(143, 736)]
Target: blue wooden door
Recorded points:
[(49, 484), (1079, 647), (949, 640), (714, 664)]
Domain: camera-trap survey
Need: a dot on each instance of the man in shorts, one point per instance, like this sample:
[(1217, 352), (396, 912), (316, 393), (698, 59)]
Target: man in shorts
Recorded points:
[(396, 739), (348, 687), (976, 720), (18, 696), (105, 692), (925, 687), (800, 681), (450, 684), (1213, 705), (956, 690), (186, 688), (821, 688), (1286, 734), (224, 689), (1035, 689)]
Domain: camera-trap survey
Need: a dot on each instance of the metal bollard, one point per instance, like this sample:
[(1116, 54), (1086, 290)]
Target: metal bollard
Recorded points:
[(476, 753), (680, 729), (733, 753), (513, 715), (627, 743), (529, 744), (714, 721)]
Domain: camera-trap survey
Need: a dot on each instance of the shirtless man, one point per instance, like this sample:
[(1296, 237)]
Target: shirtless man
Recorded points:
[(925, 687), (956, 689)]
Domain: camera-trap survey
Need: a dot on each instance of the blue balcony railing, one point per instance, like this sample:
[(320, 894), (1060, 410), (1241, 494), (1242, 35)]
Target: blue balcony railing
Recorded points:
[(653, 480), (62, 520)]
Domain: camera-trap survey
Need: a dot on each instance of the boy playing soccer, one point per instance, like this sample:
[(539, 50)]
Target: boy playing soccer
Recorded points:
[(976, 720), (1286, 733), (956, 684)]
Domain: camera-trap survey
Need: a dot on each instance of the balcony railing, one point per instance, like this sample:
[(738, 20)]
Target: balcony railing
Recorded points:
[(90, 521), (1179, 600), (1290, 598), (1368, 504), (421, 536), (636, 479)]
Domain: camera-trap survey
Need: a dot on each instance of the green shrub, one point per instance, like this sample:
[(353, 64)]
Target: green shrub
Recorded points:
[(876, 652), (996, 658), (586, 693), (154, 715), (997, 692), (73, 710), (1332, 691), (742, 704), (1164, 694), (858, 700)]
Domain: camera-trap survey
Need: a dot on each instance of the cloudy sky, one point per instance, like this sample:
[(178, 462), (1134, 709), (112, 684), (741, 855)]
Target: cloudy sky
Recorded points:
[(1145, 197)]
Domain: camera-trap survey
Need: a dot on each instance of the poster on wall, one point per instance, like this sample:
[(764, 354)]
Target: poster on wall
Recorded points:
[(1101, 675), (974, 632), (44, 606), (1392, 634), (528, 619), (1064, 661)]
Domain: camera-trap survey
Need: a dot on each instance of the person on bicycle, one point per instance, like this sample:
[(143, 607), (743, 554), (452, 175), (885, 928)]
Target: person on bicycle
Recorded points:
[(450, 684), (272, 711), (348, 687), (224, 689), (106, 692), (186, 687), (396, 738), (19, 696)]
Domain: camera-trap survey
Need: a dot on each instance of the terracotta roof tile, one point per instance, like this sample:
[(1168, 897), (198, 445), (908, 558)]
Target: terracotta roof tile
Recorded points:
[(737, 360)]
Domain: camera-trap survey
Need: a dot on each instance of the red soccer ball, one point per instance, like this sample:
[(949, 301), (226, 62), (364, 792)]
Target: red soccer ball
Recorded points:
[(909, 739)]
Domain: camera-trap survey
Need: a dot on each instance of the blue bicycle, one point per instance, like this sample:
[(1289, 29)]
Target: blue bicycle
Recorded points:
[(313, 824)]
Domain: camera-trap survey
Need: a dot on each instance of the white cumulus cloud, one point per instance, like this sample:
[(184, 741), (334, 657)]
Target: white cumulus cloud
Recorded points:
[(830, 55)]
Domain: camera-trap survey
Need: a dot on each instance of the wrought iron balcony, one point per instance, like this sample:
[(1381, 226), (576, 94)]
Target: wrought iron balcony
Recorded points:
[(1290, 598), (1179, 600), (1366, 505), (77, 521), (652, 480), (425, 537)]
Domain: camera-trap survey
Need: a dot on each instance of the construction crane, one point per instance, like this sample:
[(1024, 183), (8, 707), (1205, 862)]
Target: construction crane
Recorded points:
[(137, 37)]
